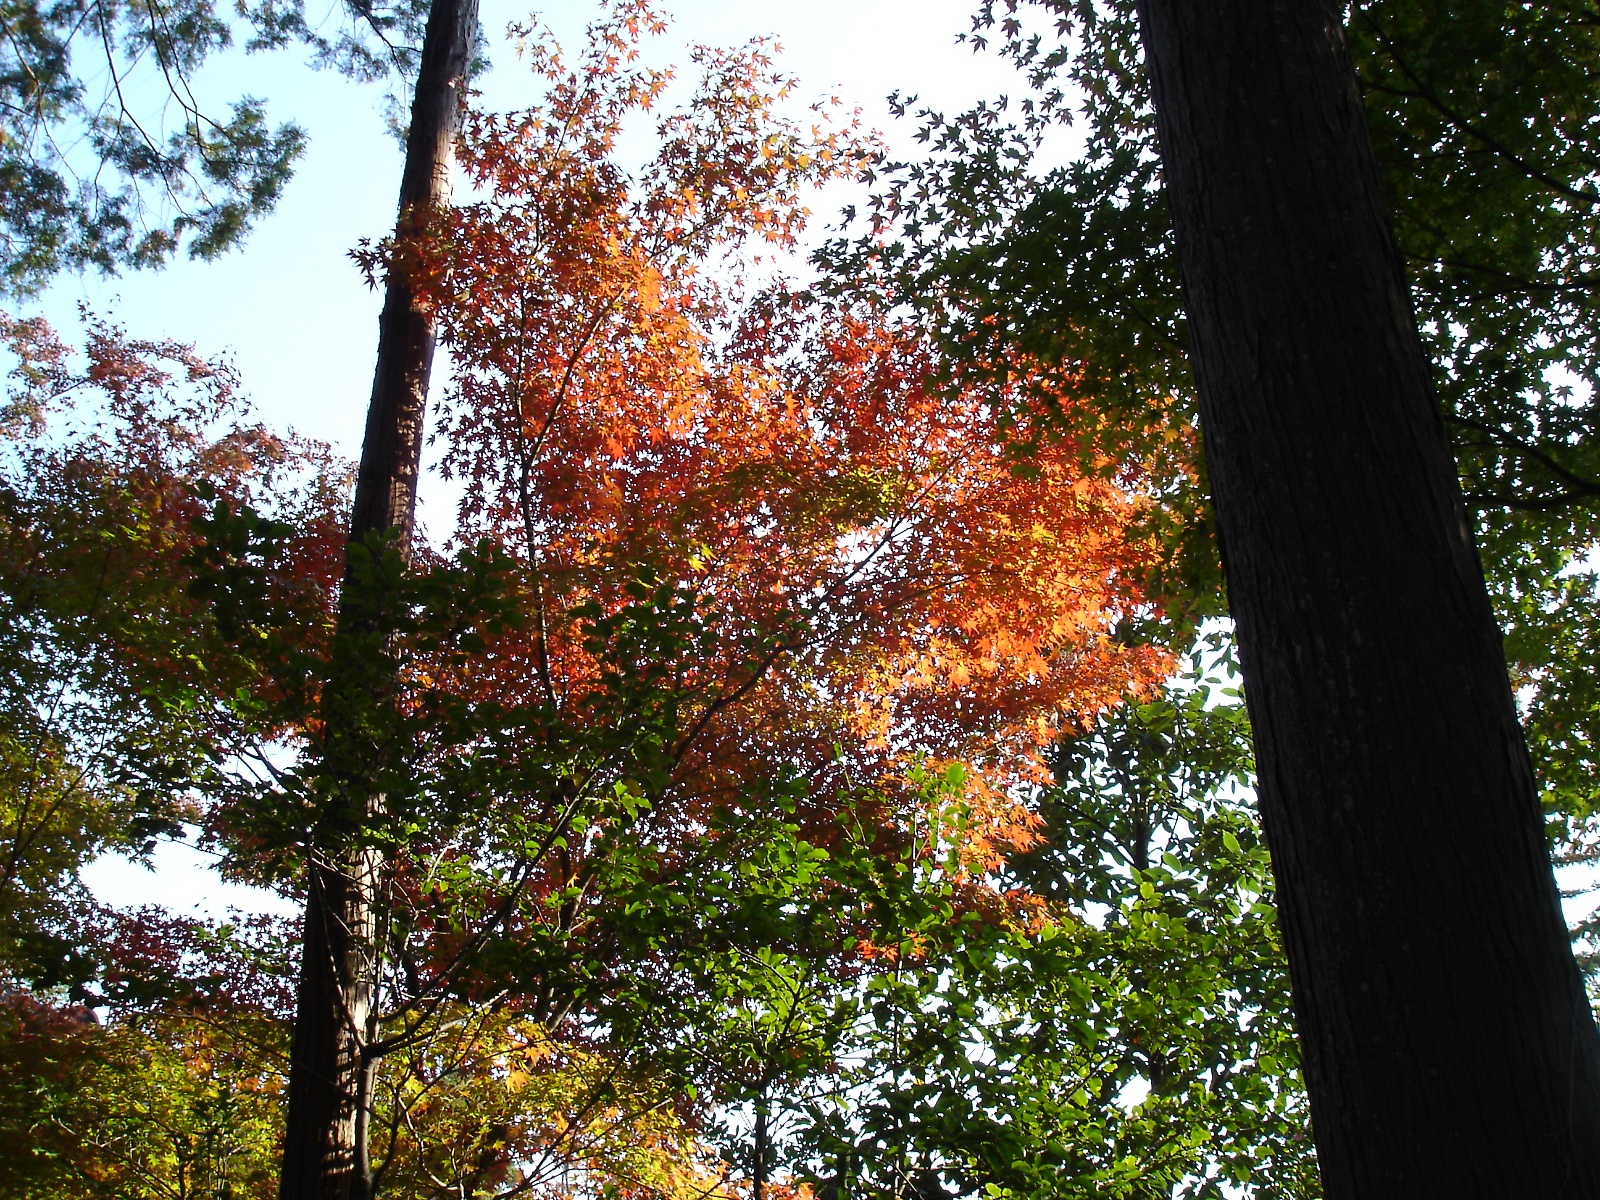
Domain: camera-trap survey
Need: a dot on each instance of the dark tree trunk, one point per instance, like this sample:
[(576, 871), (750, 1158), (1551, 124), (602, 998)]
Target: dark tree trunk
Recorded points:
[(1449, 1050), (759, 1173), (325, 1152), (391, 454)]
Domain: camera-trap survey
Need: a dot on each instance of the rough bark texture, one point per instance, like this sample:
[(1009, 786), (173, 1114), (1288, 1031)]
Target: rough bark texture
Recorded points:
[(391, 455), (329, 1074), (1449, 1050)]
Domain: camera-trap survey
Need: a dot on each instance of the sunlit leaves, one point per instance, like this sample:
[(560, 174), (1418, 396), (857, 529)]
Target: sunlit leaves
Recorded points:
[(702, 736), (1129, 1039)]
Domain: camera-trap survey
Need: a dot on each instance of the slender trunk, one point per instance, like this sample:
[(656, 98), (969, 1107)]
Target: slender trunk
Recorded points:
[(759, 1175), (324, 1155), (1448, 1047)]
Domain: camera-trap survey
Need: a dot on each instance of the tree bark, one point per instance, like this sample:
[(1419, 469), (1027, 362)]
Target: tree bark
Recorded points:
[(330, 1074), (1449, 1050)]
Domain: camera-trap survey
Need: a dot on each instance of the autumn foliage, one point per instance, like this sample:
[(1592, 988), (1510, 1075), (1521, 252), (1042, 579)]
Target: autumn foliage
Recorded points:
[(757, 588), (639, 394), (746, 623), (122, 704)]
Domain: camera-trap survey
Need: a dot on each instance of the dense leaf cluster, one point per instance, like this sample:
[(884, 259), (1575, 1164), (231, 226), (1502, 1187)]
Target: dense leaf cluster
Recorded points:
[(757, 812), (1484, 120)]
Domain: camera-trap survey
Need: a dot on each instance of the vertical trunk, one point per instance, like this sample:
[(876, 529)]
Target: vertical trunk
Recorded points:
[(1449, 1050), (391, 454), (324, 1155), (759, 1174)]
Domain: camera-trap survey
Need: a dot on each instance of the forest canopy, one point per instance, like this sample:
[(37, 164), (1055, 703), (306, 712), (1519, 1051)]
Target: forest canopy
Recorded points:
[(810, 759)]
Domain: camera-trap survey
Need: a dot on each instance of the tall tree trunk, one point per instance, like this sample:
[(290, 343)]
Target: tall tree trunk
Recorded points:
[(1449, 1050), (758, 1174), (325, 1153)]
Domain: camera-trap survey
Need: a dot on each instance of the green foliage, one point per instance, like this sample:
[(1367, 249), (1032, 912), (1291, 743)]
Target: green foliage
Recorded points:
[(118, 700), (87, 178), (1485, 121), (373, 42), (108, 159), (1115, 1026)]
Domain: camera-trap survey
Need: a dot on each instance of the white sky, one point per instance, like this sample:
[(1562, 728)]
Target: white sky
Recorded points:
[(299, 322)]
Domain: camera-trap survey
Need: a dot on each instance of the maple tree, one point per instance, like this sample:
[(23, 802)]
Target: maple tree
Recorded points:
[(712, 552), (126, 718), (170, 1085), (745, 611)]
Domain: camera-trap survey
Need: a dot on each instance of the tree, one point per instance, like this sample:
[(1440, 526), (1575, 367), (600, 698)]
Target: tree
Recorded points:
[(141, 1051), (171, 1084), (747, 613), (330, 1069), (108, 158), (717, 573), (1448, 1044), (1486, 172), (1501, 287)]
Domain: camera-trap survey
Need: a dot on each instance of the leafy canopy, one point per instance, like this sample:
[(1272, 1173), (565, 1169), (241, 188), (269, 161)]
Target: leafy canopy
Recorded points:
[(1484, 120)]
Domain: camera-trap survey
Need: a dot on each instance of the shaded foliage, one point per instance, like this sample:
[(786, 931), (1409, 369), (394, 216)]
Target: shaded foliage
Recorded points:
[(1484, 120), (120, 712), (1116, 1024)]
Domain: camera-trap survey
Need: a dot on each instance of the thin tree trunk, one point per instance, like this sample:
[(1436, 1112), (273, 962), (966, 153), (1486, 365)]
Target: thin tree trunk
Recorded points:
[(1449, 1050), (324, 1154), (759, 1174)]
